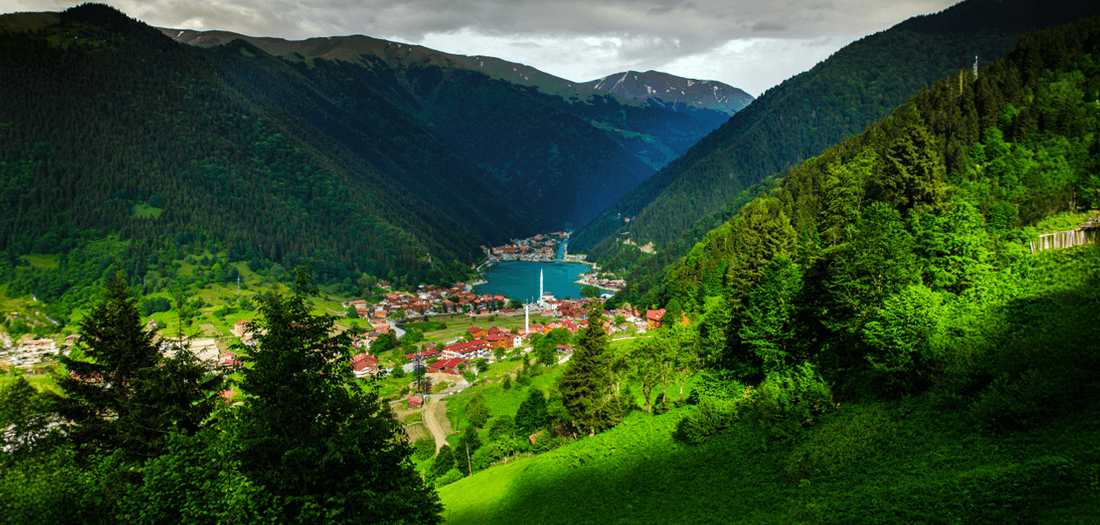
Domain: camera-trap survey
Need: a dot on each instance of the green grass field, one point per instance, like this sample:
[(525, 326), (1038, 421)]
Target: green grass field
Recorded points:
[(905, 462), (142, 210), (40, 383)]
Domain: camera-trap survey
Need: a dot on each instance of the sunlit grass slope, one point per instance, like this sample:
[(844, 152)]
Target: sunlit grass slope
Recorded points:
[(903, 462)]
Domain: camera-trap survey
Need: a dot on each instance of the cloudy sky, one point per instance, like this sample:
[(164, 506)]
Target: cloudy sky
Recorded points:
[(750, 44)]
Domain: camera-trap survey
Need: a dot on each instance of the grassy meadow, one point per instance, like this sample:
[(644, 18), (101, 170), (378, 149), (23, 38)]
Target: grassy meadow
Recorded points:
[(902, 462)]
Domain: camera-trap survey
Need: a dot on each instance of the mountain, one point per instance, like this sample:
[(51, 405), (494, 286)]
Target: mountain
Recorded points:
[(882, 338), (119, 146), (565, 150), (802, 116), (703, 99)]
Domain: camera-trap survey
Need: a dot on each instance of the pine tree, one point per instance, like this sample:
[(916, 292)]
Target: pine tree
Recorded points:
[(532, 414), (584, 385), (310, 435), (128, 396)]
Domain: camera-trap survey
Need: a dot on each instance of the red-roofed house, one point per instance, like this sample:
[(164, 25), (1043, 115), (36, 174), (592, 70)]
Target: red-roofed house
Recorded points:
[(364, 365), (470, 350), (653, 318), (229, 360), (478, 333), (499, 340), (447, 366), (241, 328), (426, 354)]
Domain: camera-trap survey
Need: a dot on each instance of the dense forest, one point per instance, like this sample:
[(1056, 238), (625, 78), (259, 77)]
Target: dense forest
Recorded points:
[(120, 146), (564, 150), (804, 115), (905, 259)]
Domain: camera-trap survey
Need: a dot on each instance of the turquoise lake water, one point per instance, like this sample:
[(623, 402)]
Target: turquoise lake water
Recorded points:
[(520, 280)]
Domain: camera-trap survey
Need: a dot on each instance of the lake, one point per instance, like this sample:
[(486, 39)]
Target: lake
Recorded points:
[(520, 280)]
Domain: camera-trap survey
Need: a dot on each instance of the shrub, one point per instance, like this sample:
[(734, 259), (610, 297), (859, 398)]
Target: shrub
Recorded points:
[(154, 305), (451, 476), (800, 394), (797, 396), (710, 416), (424, 448)]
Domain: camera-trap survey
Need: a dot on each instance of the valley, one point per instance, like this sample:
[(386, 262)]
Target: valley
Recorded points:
[(346, 279)]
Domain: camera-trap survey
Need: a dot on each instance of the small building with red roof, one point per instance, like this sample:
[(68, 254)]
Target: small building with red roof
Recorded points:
[(447, 366), (364, 365)]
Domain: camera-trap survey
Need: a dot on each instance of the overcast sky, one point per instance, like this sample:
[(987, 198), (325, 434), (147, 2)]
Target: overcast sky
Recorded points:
[(750, 44)]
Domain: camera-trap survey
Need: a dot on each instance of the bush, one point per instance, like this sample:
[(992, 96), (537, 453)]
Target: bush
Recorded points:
[(154, 305), (424, 448), (798, 396), (710, 416), (547, 441), (523, 379), (451, 476)]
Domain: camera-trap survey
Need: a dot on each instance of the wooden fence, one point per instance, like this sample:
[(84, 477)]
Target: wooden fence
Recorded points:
[(1068, 238)]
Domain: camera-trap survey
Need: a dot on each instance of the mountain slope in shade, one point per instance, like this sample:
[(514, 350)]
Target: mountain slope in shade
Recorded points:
[(703, 99), (802, 116), (229, 145), (566, 150)]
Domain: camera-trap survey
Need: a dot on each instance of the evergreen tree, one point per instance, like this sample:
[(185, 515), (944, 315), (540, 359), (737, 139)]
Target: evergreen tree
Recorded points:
[(674, 312), (532, 414), (584, 385), (913, 171), (22, 416), (327, 449), (443, 462), (128, 396)]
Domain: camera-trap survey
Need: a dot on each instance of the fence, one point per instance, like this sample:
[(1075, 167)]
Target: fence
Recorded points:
[(1068, 238)]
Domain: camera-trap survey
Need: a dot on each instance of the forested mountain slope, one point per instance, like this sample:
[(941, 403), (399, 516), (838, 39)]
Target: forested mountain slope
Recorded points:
[(880, 338), (114, 131), (904, 258), (814, 110), (561, 148)]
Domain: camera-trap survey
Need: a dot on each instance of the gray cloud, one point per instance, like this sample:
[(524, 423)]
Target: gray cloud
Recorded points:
[(617, 34), (768, 26)]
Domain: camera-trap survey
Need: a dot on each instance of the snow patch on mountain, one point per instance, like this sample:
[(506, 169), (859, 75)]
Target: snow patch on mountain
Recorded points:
[(675, 93)]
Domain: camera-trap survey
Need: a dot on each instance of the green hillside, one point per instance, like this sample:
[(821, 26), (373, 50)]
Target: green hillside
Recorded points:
[(882, 336), (804, 115), (564, 150), (865, 463), (119, 146)]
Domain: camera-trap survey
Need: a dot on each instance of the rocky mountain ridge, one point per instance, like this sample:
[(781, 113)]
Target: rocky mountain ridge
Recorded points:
[(705, 99)]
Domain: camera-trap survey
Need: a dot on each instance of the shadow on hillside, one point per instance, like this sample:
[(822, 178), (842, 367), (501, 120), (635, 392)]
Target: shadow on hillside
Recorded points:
[(635, 475)]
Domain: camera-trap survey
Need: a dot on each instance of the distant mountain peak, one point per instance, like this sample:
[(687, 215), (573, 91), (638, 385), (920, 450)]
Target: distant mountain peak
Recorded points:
[(673, 92)]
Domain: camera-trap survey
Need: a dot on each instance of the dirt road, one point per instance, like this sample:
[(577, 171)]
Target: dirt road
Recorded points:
[(435, 417)]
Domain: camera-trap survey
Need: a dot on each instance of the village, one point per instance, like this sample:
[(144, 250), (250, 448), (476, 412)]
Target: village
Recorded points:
[(459, 356), (540, 248), (387, 316)]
